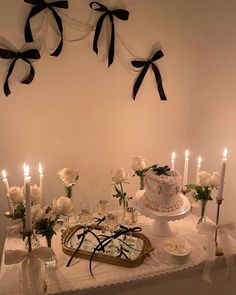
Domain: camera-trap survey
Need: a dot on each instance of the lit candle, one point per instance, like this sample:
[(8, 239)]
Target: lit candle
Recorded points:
[(41, 181), (9, 202), (222, 175), (4, 179), (199, 162), (28, 218), (173, 161), (24, 169), (186, 160)]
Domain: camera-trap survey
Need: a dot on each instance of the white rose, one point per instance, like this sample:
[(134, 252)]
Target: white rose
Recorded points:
[(68, 175), (215, 179), (62, 206), (16, 194), (37, 214), (35, 194), (138, 164), (204, 178), (119, 175)]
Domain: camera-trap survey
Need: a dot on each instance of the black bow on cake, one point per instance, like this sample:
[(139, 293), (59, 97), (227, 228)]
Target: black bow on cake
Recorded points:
[(145, 65), (119, 13), (40, 5), (25, 55), (159, 170)]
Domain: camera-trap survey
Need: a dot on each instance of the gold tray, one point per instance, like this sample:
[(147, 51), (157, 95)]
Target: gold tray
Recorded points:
[(141, 249)]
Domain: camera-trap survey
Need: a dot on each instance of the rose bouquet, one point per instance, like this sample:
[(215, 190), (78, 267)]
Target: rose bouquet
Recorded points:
[(46, 219), (119, 177), (203, 189), (140, 169), (69, 178)]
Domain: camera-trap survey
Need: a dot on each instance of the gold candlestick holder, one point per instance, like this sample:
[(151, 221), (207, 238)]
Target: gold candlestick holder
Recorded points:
[(219, 251)]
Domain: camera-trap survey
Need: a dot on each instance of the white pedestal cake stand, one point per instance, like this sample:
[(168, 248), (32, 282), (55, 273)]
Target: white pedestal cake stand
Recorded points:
[(160, 226)]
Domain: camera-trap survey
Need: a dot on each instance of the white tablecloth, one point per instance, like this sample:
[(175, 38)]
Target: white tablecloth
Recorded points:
[(155, 274)]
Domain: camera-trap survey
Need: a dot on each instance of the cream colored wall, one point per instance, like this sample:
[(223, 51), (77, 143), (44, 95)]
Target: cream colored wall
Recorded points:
[(77, 113)]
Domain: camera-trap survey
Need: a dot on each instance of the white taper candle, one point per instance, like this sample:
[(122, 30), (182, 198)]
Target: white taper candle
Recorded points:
[(9, 202), (28, 218), (173, 161), (186, 160), (222, 175), (199, 162), (41, 181)]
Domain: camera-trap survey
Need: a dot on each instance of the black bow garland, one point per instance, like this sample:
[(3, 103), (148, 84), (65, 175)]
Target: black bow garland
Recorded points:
[(119, 13), (40, 5), (104, 242), (145, 65), (25, 55)]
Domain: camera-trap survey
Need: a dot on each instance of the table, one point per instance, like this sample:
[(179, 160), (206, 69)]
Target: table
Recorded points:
[(155, 275)]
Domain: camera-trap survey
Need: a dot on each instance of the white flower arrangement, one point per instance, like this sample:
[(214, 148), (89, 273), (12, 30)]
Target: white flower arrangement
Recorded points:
[(69, 177), (16, 194)]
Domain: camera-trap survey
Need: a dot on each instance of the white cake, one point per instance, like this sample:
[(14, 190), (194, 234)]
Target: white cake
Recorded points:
[(162, 192)]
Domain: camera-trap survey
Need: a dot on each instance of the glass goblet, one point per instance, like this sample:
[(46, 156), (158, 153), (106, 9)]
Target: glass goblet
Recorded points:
[(102, 211), (112, 225), (85, 219), (130, 219)]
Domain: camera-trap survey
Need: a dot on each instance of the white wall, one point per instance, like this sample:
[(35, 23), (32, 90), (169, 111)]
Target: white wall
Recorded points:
[(77, 113)]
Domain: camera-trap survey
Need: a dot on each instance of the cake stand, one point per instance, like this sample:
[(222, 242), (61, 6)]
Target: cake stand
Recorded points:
[(160, 226)]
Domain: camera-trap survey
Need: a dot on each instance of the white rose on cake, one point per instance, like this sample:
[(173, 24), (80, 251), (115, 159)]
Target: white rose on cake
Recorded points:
[(62, 206), (119, 175), (215, 179), (35, 194), (204, 178), (16, 194), (138, 164), (68, 175)]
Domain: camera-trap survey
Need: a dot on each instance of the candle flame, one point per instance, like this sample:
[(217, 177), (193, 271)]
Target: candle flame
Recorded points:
[(225, 153), (4, 173), (40, 169), (173, 156), (26, 169), (199, 160), (186, 154)]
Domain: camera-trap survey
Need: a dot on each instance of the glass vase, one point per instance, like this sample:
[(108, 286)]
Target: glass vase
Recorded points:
[(52, 262), (34, 241), (203, 209), (141, 182)]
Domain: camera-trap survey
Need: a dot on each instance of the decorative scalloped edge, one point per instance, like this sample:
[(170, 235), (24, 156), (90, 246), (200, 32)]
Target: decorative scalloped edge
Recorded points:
[(178, 214)]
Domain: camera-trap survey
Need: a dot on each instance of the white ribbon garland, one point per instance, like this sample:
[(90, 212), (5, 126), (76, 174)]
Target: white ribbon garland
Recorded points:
[(31, 267), (209, 230)]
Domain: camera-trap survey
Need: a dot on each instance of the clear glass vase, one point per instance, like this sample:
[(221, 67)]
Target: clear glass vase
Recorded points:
[(202, 218), (34, 241), (141, 182), (52, 262)]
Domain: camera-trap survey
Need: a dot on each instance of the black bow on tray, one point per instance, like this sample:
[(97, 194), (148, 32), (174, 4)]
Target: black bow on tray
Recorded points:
[(145, 64), (120, 14), (25, 56), (40, 5), (104, 242)]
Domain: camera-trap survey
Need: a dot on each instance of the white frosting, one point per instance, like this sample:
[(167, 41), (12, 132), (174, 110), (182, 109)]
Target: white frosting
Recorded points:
[(162, 191)]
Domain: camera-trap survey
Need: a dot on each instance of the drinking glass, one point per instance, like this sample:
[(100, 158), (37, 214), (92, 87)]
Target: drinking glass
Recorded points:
[(112, 225), (85, 219)]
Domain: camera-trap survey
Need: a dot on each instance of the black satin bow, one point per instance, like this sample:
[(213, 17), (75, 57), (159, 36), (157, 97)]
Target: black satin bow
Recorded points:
[(145, 65), (119, 13), (161, 170), (40, 5), (25, 55)]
